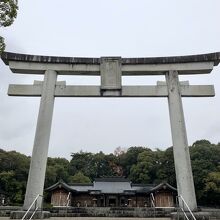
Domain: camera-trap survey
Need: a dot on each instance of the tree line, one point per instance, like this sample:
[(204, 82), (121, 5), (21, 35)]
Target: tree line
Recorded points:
[(139, 164), (8, 13)]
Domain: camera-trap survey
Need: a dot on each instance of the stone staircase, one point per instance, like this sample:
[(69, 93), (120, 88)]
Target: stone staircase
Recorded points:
[(111, 212), (69, 212), (127, 213)]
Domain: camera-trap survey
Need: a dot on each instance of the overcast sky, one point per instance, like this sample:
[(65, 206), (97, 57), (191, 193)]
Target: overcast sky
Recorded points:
[(127, 28)]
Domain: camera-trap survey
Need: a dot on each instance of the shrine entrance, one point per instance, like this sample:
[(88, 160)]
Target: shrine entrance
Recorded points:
[(111, 70)]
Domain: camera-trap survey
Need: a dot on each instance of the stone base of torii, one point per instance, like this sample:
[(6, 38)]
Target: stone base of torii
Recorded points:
[(111, 70)]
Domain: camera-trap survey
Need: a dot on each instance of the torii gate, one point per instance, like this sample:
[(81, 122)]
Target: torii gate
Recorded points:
[(111, 70)]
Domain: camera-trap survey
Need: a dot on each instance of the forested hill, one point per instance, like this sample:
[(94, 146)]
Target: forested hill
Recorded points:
[(139, 164)]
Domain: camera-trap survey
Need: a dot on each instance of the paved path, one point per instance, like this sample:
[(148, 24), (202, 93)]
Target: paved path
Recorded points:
[(107, 218), (101, 218)]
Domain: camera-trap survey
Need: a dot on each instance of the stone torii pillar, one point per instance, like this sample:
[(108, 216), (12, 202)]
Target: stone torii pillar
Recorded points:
[(111, 69), (36, 177), (184, 177)]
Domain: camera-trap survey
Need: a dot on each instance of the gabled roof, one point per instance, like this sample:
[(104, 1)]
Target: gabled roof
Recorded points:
[(162, 186), (60, 184)]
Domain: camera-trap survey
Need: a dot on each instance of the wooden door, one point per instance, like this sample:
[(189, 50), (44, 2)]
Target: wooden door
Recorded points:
[(164, 199), (59, 198)]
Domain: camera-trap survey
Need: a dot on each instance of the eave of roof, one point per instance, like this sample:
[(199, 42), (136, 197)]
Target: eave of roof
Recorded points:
[(209, 57)]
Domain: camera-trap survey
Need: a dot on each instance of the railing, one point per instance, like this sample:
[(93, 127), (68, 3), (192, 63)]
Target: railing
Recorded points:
[(152, 200), (183, 203), (67, 202), (68, 199), (34, 203), (62, 200)]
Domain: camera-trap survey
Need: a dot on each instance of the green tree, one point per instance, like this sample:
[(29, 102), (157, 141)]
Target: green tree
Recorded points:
[(14, 188), (212, 188), (140, 172), (205, 159), (57, 168), (84, 162), (94, 165), (13, 174), (165, 170), (142, 165), (104, 165), (129, 158), (79, 178), (157, 166), (8, 12)]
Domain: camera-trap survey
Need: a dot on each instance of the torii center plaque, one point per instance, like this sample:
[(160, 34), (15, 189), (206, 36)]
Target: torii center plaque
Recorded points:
[(111, 70)]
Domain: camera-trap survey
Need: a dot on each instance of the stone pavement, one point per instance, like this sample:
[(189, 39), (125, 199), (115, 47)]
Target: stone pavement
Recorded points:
[(95, 218), (106, 218)]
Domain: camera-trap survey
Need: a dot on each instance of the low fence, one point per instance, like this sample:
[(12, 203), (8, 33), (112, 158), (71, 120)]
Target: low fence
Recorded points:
[(6, 210)]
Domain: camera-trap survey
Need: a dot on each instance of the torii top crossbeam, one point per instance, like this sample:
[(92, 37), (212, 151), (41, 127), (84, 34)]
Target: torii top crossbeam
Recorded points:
[(20, 63)]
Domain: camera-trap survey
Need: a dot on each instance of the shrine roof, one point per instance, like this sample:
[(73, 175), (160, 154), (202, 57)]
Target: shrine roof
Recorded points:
[(209, 57), (60, 184), (112, 179), (163, 185), (115, 187)]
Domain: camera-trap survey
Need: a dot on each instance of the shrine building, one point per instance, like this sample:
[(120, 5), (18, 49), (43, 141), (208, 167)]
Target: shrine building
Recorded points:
[(112, 192)]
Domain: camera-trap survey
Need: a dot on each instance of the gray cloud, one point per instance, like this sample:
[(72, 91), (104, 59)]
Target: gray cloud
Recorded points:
[(123, 28)]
